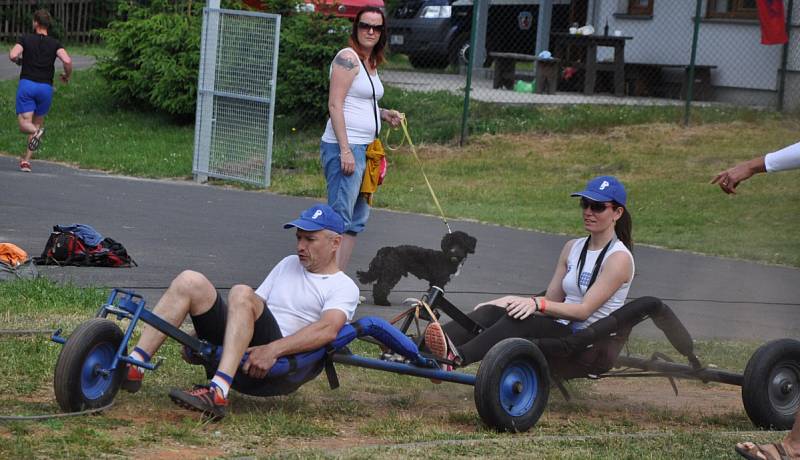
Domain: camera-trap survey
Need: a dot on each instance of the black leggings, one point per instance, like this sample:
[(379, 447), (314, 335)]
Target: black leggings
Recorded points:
[(499, 326)]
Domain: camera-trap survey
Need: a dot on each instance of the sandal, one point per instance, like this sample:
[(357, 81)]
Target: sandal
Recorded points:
[(36, 139), (25, 166), (752, 451)]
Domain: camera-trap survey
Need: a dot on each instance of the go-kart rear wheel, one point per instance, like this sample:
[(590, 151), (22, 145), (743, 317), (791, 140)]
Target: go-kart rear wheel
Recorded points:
[(771, 388), (512, 386), (79, 382)]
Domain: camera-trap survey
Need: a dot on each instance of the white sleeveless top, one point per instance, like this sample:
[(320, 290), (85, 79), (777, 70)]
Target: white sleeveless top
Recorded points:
[(574, 294), (358, 108)]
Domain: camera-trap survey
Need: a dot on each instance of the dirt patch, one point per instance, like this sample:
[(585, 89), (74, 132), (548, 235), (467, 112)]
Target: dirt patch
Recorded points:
[(707, 399), (179, 453)]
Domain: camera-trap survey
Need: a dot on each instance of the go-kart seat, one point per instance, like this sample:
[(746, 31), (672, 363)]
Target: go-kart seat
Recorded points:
[(593, 351), (290, 372)]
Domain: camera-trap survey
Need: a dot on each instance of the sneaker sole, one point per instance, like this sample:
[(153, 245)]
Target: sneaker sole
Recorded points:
[(213, 415), (33, 145), (437, 344)]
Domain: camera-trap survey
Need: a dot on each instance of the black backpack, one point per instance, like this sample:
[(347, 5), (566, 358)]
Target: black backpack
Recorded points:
[(67, 248)]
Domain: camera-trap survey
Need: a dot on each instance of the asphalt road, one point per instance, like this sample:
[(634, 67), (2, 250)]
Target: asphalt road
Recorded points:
[(236, 236), (9, 70)]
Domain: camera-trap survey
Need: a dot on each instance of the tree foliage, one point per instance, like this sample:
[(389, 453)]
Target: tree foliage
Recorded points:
[(156, 54)]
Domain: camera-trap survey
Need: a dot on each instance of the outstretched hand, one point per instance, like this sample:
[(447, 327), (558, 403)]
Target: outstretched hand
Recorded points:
[(729, 179)]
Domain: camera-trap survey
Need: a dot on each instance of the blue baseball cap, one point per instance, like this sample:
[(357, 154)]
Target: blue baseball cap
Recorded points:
[(318, 217), (603, 189)]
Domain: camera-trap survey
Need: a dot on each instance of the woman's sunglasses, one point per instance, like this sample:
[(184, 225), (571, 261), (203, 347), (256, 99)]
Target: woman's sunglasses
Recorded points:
[(373, 27), (595, 206)]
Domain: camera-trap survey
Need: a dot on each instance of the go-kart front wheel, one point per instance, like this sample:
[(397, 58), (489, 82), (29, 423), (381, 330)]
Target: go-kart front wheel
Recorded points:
[(771, 388), (81, 381), (512, 386)]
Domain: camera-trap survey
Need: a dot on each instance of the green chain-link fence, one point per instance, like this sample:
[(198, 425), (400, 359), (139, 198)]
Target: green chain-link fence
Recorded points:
[(632, 52)]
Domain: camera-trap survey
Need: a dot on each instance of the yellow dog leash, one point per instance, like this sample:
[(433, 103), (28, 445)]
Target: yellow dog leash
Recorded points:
[(407, 137)]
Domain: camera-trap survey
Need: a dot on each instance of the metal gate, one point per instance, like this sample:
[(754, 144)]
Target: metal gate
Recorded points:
[(236, 96)]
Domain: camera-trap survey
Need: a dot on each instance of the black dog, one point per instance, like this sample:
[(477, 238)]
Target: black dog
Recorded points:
[(394, 262)]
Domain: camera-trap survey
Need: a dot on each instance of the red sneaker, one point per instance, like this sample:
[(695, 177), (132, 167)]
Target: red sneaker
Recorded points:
[(25, 166), (132, 381), (202, 398)]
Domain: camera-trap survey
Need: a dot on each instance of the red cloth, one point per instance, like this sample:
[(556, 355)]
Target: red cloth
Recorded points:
[(773, 22)]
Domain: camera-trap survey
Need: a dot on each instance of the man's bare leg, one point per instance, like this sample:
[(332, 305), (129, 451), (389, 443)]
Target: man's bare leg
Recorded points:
[(345, 251), (27, 126), (244, 308), (189, 293)]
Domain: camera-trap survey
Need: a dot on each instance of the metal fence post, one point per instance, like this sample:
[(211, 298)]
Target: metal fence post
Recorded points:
[(690, 76), (208, 70), (470, 64), (785, 55)]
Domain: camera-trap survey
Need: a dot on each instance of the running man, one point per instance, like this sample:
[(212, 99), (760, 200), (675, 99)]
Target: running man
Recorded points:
[(37, 53)]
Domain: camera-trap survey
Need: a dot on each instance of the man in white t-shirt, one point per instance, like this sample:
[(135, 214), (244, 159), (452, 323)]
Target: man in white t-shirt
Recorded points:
[(301, 305)]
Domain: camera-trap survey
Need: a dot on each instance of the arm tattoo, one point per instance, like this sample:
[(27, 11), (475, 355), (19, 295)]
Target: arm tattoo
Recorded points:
[(347, 63)]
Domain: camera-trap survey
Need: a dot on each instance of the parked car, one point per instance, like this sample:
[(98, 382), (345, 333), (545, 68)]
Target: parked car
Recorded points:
[(436, 33), (341, 8)]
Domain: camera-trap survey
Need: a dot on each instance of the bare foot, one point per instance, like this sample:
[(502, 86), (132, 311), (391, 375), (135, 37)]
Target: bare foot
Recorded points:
[(774, 451)]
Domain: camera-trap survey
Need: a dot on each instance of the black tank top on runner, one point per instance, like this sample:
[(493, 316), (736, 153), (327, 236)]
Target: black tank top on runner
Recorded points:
[(38, 57)]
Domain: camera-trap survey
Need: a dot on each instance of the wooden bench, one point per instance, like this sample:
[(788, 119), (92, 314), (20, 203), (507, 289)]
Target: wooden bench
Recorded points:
[(505, 73), (647, 79)]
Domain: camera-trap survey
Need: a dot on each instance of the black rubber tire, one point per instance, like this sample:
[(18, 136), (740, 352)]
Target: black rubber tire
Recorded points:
[(771, 387), (496, 372), (459, 52), (92, 339)]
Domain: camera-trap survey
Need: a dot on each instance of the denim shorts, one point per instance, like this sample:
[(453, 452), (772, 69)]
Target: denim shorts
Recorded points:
[(343, 191), (34, 97)]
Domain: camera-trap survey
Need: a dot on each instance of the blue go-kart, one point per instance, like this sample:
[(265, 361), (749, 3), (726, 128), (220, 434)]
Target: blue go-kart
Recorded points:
[(512, 384)]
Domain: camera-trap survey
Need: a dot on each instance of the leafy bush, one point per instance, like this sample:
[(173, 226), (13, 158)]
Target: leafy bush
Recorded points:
[(156, 55), (308, 44)]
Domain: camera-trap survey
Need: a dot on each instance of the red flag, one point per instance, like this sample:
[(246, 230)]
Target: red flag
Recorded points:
[(773, 22)]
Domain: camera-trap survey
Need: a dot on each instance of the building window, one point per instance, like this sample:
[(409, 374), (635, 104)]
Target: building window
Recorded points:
[(736, 9), (641, 7)]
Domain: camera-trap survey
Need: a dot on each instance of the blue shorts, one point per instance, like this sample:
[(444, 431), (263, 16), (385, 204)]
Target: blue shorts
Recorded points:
[(343, 191), (34, 97)]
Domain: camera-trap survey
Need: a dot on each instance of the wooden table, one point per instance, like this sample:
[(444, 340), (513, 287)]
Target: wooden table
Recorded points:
[(564, 43), (505, 73)]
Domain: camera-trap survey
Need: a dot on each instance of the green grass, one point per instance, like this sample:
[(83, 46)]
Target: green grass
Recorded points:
[(518, 169), (372, 415)]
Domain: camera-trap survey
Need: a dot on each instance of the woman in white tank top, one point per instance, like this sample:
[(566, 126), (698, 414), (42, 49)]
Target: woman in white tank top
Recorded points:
[(354, 123), (591, 280)]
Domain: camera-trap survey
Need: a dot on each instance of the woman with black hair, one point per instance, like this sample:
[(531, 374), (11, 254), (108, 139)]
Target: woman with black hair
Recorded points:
[(591, 280), (354, 123)]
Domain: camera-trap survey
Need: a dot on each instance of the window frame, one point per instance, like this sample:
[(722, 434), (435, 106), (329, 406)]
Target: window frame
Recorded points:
[(737, 11), (634, 9)]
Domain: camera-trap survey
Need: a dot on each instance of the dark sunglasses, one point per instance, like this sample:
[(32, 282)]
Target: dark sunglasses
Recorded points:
[(595, 206), (367, 26)]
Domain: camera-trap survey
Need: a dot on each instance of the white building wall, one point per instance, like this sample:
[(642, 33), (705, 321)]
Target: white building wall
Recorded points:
[(734, 47)]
